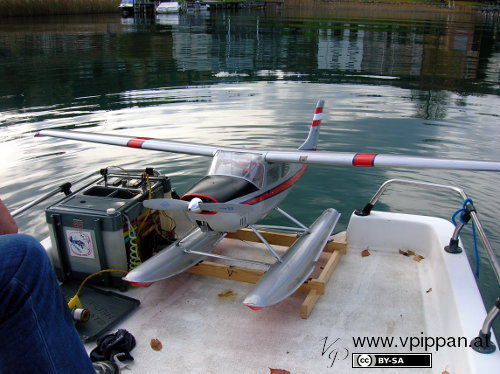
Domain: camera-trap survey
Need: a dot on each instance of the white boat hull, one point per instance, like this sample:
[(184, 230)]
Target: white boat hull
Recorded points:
[(383, 296), (448, 297)]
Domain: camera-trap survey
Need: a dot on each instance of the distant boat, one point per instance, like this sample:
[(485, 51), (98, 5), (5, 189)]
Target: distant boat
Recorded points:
[(126, 4), (127, 7), (169, 7)]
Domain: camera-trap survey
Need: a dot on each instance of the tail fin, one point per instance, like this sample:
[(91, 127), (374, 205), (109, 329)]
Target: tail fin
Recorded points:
[(312, 138)]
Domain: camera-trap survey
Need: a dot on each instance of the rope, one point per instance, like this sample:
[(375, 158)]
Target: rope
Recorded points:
[(460, 213)]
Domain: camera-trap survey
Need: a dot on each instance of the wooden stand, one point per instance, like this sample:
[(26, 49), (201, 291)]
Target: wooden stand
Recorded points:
[(313, 287)]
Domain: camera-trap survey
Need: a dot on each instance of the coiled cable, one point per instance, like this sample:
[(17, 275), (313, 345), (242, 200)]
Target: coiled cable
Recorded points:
[(135, 258)]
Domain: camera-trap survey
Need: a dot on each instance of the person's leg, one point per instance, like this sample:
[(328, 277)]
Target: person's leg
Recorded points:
[(36, 330)]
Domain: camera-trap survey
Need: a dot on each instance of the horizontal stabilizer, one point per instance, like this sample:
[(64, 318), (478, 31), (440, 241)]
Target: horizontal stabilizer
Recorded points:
[(174, 259), (285, 277)]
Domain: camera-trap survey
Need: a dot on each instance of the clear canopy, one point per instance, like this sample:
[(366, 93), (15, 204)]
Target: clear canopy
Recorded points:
[(249, 166)]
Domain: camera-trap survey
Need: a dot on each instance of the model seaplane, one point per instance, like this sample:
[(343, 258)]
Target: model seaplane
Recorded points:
[(242, 187)]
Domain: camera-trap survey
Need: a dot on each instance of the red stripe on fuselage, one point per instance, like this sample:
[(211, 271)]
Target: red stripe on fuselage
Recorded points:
[(278, 189), (364, 159), (137, 142)]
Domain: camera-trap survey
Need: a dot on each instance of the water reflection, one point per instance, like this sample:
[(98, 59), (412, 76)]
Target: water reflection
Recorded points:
[(91, 58)]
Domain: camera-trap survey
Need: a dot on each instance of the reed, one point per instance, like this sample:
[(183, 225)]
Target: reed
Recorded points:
[(11, 8)]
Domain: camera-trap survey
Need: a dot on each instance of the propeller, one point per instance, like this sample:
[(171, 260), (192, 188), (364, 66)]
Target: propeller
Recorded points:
[(166, 204), (196, 205)]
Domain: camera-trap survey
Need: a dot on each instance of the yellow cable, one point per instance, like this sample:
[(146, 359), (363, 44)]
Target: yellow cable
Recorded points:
[(97, 273)]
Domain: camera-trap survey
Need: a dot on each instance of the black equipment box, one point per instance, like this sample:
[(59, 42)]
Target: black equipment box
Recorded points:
[(96, 227)]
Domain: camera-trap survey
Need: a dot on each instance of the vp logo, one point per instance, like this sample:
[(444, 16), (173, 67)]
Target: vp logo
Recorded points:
[(334, 351)]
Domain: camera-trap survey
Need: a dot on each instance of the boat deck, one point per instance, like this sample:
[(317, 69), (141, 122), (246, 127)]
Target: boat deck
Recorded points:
[(204, 327)]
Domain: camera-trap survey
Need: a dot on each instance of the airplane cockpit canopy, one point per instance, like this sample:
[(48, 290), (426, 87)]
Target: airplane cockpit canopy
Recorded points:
[(249, 166)]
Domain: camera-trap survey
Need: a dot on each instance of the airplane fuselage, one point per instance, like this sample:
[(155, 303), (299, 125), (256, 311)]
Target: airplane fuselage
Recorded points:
[(241, 178)]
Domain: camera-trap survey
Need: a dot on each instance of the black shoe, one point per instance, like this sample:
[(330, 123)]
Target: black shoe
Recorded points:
[(105, 367)]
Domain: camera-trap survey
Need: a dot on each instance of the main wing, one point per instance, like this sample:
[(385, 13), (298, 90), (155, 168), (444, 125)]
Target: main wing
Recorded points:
[(135, 142), (292, 156)]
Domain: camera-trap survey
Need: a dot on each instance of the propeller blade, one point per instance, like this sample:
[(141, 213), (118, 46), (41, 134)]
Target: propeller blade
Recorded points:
[(196, 206), (225, 208), (166, 204)]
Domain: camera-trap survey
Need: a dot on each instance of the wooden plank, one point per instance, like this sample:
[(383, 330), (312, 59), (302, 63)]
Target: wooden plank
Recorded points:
[(222, 271), (308, 304), (283, 239), (314, 287), (276, 238), (338, 245), (241, 274), (327, 271), (314, 295)]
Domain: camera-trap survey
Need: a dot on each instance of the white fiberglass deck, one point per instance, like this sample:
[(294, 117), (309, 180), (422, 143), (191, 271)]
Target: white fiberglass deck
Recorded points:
[(204, 327)]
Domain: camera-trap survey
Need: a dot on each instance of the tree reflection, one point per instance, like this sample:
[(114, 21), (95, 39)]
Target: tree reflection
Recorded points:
[(51, 63)]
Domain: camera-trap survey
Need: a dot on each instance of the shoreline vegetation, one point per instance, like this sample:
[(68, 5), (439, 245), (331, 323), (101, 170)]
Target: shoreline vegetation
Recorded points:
[(30, 8)]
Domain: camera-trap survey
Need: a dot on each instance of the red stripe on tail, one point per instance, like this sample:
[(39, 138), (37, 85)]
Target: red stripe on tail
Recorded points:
[(317, 122)]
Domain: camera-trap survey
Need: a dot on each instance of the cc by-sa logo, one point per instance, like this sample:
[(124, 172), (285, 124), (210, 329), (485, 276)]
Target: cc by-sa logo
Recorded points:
[(364, 360)]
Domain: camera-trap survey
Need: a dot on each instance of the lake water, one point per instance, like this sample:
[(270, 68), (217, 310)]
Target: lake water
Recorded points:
[(394, 81)]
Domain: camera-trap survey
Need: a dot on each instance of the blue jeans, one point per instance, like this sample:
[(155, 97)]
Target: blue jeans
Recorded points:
[(36, 330)]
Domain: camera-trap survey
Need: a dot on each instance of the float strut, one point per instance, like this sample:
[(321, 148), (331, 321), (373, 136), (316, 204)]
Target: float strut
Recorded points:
[(276, 254)]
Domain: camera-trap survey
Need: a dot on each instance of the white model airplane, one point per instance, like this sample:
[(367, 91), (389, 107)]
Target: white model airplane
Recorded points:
[(242, 187)]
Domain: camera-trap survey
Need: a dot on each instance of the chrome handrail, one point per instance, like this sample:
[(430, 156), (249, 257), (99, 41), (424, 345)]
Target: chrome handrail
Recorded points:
[(103, 173), (62, 188), (432, 186)]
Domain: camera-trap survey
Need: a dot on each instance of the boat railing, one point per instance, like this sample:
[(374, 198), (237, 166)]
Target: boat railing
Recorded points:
[(439, 187), (485, 345)]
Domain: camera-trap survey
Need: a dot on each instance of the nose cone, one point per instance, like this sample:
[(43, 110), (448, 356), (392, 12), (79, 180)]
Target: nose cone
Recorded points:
[(194, 205)]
